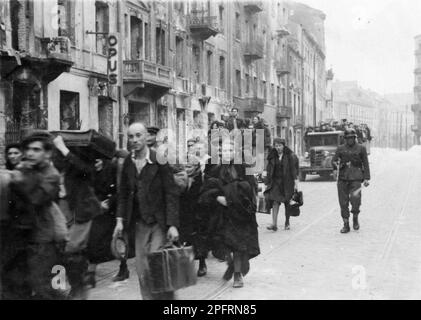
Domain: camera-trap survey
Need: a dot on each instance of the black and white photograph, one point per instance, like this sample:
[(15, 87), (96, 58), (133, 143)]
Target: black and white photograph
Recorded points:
[(210, 150)]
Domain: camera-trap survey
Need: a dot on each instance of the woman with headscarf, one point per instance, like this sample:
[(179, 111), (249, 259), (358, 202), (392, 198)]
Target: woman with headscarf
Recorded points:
[(281, 180), (232, 196)]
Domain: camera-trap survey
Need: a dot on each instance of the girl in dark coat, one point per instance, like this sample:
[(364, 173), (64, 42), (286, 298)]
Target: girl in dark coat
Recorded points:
[(281, 180), (232, 196)]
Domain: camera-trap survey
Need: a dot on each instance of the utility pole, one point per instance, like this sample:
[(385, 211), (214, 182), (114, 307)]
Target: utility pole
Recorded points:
[(400, 134), (406, 127)]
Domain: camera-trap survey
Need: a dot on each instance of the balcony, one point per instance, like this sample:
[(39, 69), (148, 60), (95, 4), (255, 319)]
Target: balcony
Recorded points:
[(298, 120), (284, 112), (282, 32), (282, 68), (253, 50), (415, 107), (53, 57), (253, 7), (250, 104), (57, 48), (414, 128), (203, 26), (153, 77)]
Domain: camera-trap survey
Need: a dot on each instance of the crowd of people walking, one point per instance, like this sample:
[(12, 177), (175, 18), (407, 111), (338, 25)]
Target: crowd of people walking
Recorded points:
[(65, 208)]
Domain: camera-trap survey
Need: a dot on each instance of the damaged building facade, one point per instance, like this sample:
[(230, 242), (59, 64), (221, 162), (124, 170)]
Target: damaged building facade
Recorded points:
[(78, 65)]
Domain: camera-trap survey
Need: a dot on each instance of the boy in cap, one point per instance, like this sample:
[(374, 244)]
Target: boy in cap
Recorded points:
[(151, 139)]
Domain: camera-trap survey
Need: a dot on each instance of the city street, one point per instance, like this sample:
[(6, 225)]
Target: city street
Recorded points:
[(313, 260)]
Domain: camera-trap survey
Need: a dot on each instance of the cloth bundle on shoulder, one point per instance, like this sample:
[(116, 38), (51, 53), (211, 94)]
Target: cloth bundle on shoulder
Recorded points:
[(171, 268), (88, 144)]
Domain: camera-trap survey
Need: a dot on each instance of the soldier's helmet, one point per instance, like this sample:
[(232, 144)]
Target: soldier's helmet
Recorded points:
[(350, 133)]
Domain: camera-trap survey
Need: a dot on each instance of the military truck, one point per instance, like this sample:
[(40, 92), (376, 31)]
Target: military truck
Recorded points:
[(320, 147)]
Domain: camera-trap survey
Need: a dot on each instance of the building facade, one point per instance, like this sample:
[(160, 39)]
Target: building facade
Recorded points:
[(387, 116), (416, 107), (79, 65)]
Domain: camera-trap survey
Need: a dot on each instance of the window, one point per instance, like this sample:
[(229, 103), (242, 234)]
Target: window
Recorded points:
[(238, 82), (209, 66), (139, 112), (221, 72), (102, 26), (272, 93), (105, 116), (162, 117), (255, 87), (247, 83), (66, 24), (278, 95), (136, 38), (237, 26), (196, 63), (179, 56), (69, 110), (147, 41), (197, 123), (179, 6), (221, 18), (265, 91), (160, 46)]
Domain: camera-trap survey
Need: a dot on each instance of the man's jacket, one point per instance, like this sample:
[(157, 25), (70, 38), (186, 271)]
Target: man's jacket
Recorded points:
[(353, 163), (159, 198), (35, 195)]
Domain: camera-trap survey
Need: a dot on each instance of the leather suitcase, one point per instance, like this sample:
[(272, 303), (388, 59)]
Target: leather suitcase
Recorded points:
[(89, 143), (172, 268)]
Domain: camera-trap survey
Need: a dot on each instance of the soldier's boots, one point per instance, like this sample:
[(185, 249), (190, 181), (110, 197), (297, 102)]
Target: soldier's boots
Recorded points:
[(346, 227), (355, 223)]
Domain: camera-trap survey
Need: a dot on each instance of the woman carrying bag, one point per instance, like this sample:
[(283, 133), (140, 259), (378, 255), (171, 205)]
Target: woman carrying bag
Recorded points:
[(281, 180)]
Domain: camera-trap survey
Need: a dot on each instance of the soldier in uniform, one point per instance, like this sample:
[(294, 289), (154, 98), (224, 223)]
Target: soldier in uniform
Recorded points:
[(352, 162)]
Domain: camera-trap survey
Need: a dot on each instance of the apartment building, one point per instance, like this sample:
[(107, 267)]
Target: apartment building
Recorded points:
[(416, 107), (78, 65)]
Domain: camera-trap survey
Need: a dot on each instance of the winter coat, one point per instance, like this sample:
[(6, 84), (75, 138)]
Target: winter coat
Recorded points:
[(160, 199), (234, 227), (290, 172)]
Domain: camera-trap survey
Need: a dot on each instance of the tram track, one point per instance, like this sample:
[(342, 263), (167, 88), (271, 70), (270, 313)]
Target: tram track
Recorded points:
[(225, 285)]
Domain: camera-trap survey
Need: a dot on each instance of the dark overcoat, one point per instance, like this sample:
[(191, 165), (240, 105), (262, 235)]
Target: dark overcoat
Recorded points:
[(290, 167), (161, 199), (233, 227)]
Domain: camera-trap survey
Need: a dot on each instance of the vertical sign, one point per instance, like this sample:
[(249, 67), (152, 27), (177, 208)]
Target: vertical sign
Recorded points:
[(113, 65)]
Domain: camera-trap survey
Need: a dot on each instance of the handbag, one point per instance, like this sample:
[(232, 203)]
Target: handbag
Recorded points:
[(171, 268), (295, 204), (261, 203)]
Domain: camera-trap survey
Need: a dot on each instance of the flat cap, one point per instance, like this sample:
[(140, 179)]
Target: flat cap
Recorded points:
[(153, 130)]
